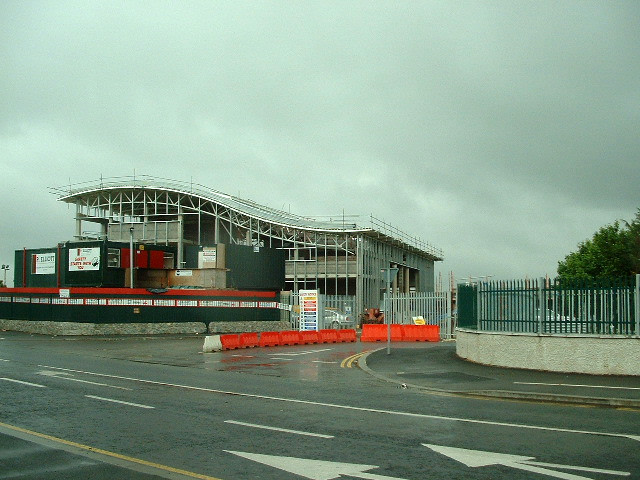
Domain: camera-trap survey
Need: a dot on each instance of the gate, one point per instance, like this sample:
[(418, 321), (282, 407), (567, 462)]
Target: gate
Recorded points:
[(433, 307)]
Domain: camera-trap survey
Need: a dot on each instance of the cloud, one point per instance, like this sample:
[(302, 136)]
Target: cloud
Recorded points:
[(502, 133)]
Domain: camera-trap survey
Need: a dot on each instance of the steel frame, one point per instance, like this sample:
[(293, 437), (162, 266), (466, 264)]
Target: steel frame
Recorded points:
[(332, 255)]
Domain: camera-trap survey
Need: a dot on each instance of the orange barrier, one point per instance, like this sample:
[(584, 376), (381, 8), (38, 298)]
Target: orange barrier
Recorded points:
[(309, 336), (421, 333), (373, 333), (397, 333), (328, 336), (248, 340), (290, 337), (229, 342), (347, 335), (269, 339)]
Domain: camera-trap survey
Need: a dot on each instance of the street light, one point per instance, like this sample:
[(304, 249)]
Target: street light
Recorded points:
[(5, 268)]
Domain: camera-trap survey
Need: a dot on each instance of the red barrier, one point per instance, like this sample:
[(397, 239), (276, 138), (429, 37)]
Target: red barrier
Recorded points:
[(269, 339), (290, 337), (229, 342), (248, 340), (397, 333), (328, 336), (433, 333), (309, 336), (421, 333), (373, 333), (347, 335)]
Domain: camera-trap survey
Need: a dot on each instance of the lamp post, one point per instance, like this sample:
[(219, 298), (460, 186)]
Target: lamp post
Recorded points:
[(389, 276), (131, 256), (5, 268)]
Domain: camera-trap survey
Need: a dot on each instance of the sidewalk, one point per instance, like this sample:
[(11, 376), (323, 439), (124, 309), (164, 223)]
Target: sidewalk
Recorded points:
[(435, 367)]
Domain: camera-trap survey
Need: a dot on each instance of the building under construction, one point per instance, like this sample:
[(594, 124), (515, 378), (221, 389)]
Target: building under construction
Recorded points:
[(338, 256)]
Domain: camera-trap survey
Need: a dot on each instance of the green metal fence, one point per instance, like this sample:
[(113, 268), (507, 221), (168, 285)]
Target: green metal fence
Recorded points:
[(552, 306)]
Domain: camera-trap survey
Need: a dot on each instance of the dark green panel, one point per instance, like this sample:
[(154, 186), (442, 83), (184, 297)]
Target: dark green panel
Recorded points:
[(251, 270)]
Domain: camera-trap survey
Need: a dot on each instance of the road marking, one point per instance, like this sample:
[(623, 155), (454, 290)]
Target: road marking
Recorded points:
[(479, 458), (243, 356), (118, 401), (277, 429), (349, 361), (358, 409), (64, 376), (3, 360), (97, 453), (576, 385), (321, 361), (304, 352), (23, 383), (314, 469)]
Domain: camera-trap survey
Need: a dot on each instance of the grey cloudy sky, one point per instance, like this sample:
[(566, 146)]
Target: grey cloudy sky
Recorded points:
[(503, 132)]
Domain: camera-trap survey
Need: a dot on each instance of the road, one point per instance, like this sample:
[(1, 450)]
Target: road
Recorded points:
[(142, 408)]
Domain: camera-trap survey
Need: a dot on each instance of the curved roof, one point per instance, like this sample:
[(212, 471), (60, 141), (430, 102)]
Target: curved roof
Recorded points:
[(339, 224)]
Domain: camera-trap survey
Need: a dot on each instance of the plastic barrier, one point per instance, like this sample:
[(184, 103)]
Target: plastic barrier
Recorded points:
[(347, 335), (290, 337), (397, 333), (248, 340), (328, 336), (433, 333), (373, 333), (229, 342), (269, 339), (421, 333), (309, 336)]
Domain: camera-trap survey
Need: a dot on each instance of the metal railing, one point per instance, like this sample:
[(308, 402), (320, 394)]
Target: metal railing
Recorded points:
[(552, 306)]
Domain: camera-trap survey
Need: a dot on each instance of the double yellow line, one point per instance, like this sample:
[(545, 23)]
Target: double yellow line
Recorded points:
[(349, 361)]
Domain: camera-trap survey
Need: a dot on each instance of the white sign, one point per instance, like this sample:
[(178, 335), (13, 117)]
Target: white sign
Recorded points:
[(43, 263), (308, 309), (314, 469), (184, 273), (65, 293), (81, 259), (479, 458)]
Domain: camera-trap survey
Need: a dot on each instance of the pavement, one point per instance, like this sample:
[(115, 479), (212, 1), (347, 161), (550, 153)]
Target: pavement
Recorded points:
[(435, 367)]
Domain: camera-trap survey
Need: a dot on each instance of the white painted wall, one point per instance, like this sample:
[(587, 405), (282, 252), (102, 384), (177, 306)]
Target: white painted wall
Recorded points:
[(596, 355)]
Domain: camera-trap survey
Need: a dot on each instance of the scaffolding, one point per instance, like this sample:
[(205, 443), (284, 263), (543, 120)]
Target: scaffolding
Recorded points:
[(341, 255)]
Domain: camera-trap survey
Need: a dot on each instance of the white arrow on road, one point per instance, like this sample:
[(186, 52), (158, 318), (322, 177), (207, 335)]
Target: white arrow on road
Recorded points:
[(479, 458), (314, 469)]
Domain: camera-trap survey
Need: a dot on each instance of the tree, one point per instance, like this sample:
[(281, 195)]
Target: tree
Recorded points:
[(614, 251)]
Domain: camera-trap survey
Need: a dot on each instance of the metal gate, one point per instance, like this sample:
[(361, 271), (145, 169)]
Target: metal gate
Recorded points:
[(433, 307)]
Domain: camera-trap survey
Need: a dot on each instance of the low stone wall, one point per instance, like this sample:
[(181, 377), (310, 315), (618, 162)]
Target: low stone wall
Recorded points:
[(242, 327), (74, 328), (610, 355)]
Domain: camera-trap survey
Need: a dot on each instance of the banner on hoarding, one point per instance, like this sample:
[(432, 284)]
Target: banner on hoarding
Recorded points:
[(43, 263), (81, 259), (308, 309)]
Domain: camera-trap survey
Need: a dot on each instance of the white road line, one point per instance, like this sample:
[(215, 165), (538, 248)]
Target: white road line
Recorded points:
[(321, 361), (60, 377), (576, 385), (277, 429), (304, 352), (359, 409), (278, 358), (118, 401), (3, 360), (23, 383)]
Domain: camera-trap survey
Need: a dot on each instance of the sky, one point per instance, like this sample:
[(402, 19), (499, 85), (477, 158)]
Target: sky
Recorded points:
[(502, 132)]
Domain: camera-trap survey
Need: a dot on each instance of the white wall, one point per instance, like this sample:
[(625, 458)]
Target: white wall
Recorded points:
[(558, 353)]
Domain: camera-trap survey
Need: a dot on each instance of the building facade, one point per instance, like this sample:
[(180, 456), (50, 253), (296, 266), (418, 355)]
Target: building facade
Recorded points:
[(337, 256)]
